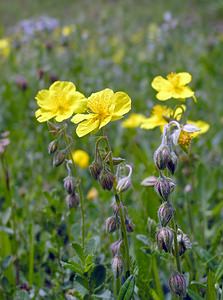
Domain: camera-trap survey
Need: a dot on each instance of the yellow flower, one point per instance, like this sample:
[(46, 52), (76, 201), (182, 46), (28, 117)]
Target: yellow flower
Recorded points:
[(61, 101), (81, 158), (103, 107), (161, 115), (68, 30), (92, 194), (4, 47), (173, 87), (134, 120), (186, 137)]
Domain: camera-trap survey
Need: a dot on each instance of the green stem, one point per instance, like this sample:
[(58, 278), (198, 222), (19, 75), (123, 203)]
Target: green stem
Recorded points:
[(79, 192), (176, 248)]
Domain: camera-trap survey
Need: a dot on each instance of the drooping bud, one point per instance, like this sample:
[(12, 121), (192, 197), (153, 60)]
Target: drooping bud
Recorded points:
[(129, 225), (69, 184), (162, 156), (106, 179), (164, 238), (164, 186), (149, 181), (123, 184), (111, 224), (165, 213), (177, 283), (58, 158), (172, 162), (73, 200), (115, 207), (52, 147), (95, 169), (184, 242), (117, 266), (115, 247)]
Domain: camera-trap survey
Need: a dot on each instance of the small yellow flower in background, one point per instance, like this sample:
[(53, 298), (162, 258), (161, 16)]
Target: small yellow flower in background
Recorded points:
[(81, 158), (103, 107), (92, 194), (185, 137), (68, 30), (173, 87), (61, 101), (161, 115), (4, 47), (134, 120)]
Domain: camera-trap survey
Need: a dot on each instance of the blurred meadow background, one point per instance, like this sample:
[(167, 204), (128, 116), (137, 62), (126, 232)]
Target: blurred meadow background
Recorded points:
[(122, 45)]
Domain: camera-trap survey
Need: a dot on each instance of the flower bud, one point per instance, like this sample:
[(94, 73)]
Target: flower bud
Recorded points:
[(129, 225), (151, 226), (111, 224), (184, 242), (117, 266), (165, 213), (58, 158), (115, 207), (69, 184), (172, 162), (52, 147), (162, 156), (73, 200), (115, 247), (177, 283), (164, 186), (95, 169), (123, 184), (164, 238), (106, 179)]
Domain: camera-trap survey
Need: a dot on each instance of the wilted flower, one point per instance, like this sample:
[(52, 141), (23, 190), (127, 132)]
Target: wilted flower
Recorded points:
[(61, 101), (52, 147), (111, 224), (149, 181), (175, 86), (104, 106), (164, 186), (73, 200), (106, 179), (124, 183), (177, 283), (164, 238), (95, 168), (117, 266), (165, 213), (69, 184), (81, 158), (184, 242), (58, 158)]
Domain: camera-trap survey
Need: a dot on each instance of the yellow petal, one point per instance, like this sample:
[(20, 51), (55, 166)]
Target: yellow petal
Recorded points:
[(105, 121), (159, 83), (134, 120), (122, 105), (203, 126), (66, 86), (184, 78), (43, 116), (164, 95), (184, 92), (87, 126), (152, 122), (100, 100), (81, 117)]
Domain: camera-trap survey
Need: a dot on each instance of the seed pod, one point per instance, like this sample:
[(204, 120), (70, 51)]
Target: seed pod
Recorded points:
[(165, 213), (117, 266), (172, 162), (52, 147), (123, 184), (115, 247), (106, 179), (164, 238), (129, 225), (177, 283), (69, 184), (111, 224), (184, 242), (164, 186), (95, 169), (162, 156), (73, 200), (58, 158)]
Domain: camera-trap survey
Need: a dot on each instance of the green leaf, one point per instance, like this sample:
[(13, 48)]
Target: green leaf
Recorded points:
[(79, 250), (89, 263), (7, 261), (73, 266), (97, 276), (21, 295), (127, 290), (194, 295), (211, 293)]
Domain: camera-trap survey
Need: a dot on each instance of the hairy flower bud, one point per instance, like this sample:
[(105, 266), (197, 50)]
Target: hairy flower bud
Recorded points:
[(106, 179), (165, 213), (69, 184), (58, 158), (117, 266), (115, 247), (164, 238), (123, 184), (162, 156), (95, 169), (129, 225), (73, 200), (111, 224), (164, 186), (52, 147), (177, 283), (172, 162), (184, 242)]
